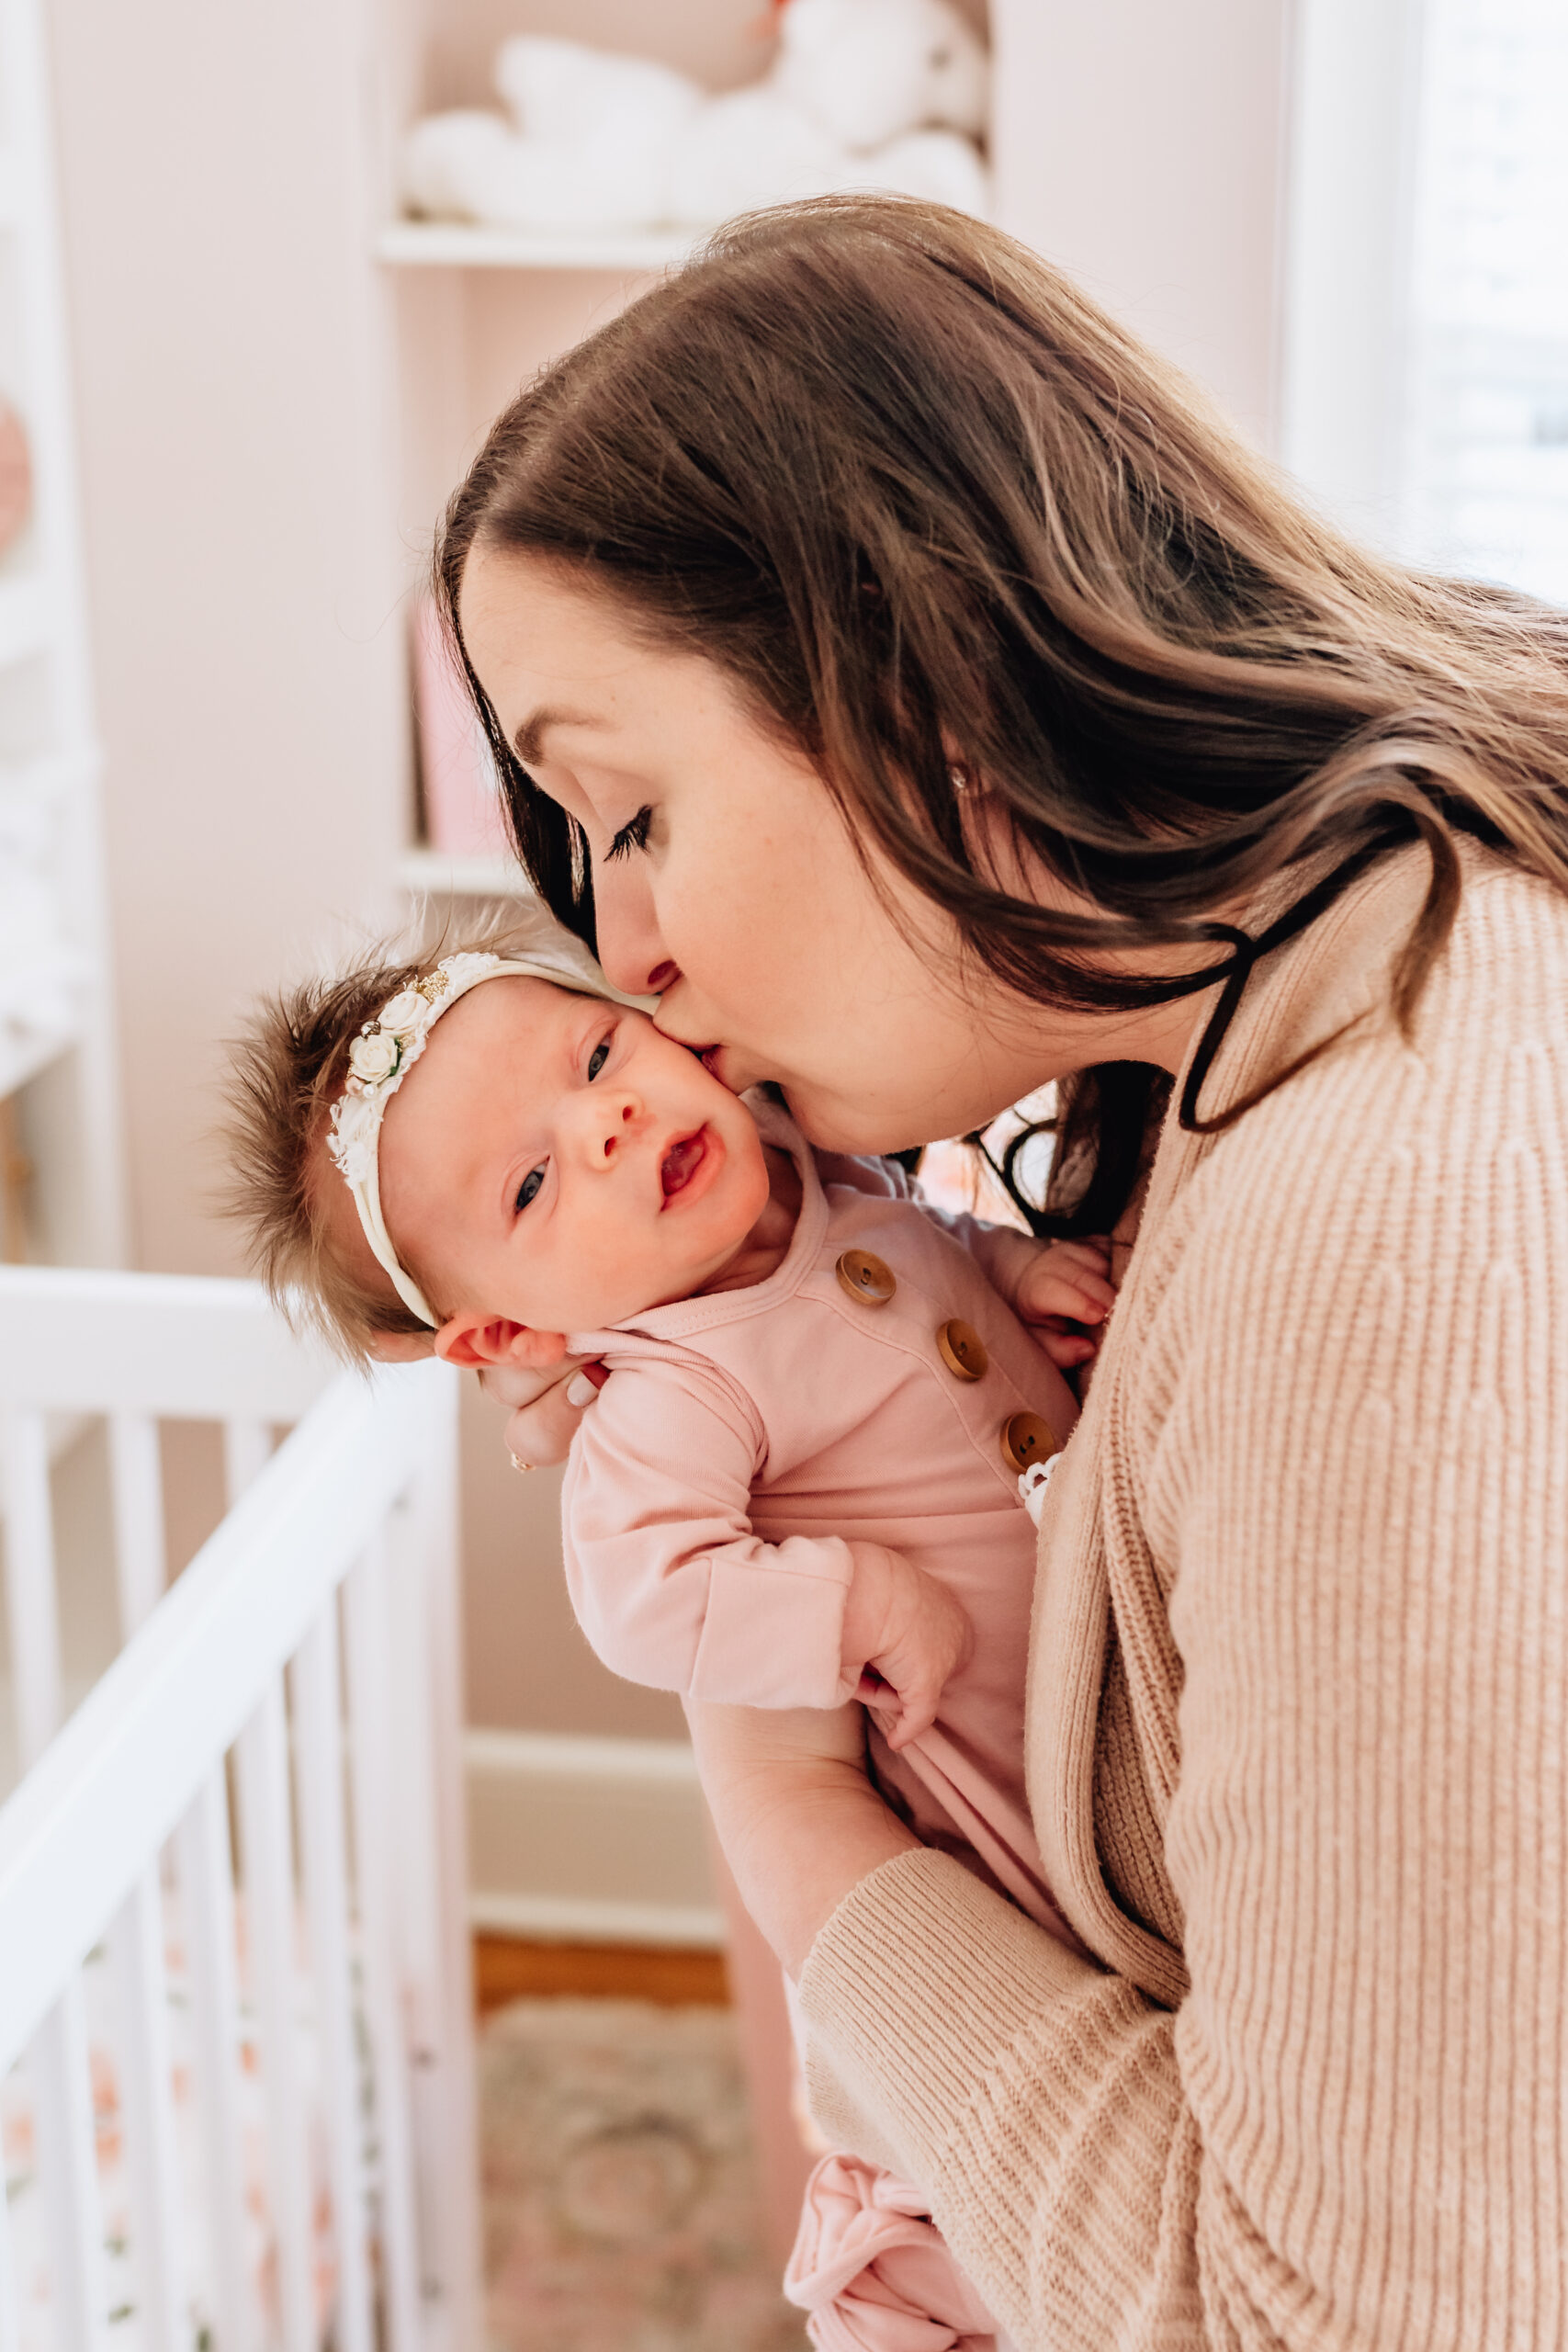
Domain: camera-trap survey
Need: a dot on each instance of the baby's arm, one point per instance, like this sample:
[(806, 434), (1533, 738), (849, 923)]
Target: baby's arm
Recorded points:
[(674, 1586)]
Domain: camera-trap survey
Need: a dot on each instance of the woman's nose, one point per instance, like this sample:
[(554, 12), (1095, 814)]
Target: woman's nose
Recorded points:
[(631, 948)]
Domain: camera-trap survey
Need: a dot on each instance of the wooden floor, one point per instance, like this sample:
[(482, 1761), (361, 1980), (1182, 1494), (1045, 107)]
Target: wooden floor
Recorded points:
[(506, 1969)]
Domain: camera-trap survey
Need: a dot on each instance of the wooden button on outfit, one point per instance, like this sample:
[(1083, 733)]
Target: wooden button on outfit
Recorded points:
[(1026, 1439), (961, 1350), (866, 1277)]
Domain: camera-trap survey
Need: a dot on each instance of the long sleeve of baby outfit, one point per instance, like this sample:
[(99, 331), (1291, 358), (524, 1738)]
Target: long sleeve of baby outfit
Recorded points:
[(669, 1581)]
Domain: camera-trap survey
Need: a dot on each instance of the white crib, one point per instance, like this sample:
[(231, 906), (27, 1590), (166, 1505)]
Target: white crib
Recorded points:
[(293, 1696)]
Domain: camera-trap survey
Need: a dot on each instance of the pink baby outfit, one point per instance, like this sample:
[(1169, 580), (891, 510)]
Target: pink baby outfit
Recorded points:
[(750, 1452), (755, 1445)]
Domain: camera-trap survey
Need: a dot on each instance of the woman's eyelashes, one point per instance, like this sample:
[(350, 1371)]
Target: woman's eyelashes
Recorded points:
[(632, 835)]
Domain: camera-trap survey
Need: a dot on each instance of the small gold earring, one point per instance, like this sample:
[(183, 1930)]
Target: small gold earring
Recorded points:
[(958, 777)]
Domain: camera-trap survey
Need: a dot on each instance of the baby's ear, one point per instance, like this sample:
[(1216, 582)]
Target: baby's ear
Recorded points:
[(474, 1340)]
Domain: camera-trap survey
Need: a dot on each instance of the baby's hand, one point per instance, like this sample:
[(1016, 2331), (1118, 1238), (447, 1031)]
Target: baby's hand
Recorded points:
[(1063, 1287), (912, 1636)]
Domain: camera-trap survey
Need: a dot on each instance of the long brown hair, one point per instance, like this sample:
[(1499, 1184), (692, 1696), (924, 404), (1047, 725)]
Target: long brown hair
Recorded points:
[(925, 502)]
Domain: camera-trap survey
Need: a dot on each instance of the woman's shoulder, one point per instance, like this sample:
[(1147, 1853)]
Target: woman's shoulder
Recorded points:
[(1387, 1151), (1497, 989), (1508, 950)]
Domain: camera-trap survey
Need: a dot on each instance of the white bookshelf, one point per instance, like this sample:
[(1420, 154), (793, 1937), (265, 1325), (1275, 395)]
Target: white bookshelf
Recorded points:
[(59, 1097), (457, 244), (436, 874)]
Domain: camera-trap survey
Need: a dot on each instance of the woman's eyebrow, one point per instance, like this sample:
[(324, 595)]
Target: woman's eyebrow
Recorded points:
[(528, 741)]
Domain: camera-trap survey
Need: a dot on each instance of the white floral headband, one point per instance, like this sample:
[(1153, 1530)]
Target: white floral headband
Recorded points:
[(387, 1049)]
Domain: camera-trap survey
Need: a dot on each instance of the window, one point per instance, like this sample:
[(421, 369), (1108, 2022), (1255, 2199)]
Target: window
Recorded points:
[(1485, 458), (1424, 359)]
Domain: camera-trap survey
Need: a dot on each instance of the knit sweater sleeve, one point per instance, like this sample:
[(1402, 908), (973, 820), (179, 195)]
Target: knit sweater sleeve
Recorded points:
[(1348, 1424)]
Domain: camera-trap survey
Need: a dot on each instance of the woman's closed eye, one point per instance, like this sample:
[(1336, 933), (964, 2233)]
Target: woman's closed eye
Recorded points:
[(632, 835)]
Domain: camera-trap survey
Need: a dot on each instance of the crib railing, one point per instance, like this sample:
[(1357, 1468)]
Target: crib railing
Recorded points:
[(257, 1809)]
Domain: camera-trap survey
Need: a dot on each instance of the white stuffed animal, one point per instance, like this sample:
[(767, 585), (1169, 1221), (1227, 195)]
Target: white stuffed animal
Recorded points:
[(590, 144), (863, 94), (871, 70)]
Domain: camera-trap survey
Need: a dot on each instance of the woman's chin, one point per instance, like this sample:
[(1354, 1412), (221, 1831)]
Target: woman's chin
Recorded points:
[(830, 1124)]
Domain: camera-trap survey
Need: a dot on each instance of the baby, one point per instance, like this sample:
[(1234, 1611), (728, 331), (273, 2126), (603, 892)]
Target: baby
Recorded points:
[(802, 1482)]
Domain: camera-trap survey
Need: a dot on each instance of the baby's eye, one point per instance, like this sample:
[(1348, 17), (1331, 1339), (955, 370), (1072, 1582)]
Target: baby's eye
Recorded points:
[(632, 835), (528, 1189), (597, 1058)]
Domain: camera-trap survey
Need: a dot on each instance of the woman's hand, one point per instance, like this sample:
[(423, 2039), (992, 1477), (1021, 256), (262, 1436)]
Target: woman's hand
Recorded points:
[(799, 1823), (547, 1405)]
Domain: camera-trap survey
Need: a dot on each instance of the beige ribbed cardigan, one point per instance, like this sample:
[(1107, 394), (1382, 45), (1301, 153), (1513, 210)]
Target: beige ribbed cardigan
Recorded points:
[(1298, 1716)]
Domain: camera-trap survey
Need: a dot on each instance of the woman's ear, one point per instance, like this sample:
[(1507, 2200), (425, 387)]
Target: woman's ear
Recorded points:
[(473, 1340)]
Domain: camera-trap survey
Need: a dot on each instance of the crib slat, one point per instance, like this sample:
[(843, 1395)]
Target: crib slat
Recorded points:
[(247, 1446), (136, 1482), (10, 2305), (429, 1630), (136, 1951), (376, 1828), (68, 2174), (208, 1904), (29, 1580), (319, 1735), (263, 1758)]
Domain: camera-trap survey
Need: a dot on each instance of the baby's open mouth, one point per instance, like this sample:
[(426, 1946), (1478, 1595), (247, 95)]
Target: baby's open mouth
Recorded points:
[(681, 1162)]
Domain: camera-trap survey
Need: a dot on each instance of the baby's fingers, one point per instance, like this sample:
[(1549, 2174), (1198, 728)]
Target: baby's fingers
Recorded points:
[(1067, 1349), (902, 1715)]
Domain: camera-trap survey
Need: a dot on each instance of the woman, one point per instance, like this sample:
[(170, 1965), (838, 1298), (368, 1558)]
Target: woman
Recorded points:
[(900, 670)]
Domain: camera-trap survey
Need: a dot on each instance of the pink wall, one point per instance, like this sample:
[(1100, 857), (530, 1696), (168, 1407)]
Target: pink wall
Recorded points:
[(1139, 144), (231, 388)]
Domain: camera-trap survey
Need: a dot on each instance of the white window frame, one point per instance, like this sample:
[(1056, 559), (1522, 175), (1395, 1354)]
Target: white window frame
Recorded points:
[(1350, 156)]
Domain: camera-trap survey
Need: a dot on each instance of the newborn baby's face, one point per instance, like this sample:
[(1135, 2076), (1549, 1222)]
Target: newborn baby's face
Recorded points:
[(554, 1161)]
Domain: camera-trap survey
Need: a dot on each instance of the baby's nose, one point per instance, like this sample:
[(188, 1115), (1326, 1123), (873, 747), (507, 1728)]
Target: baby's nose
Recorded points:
[(616, 1123)]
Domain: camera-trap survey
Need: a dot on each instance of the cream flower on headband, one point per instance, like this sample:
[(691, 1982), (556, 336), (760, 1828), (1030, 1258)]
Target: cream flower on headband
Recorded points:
[(384, 1051), (374, 1057)]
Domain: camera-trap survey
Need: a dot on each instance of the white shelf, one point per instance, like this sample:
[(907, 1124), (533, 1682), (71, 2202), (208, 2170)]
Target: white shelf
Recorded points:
[(442, 876), (24, 619), (457, 245)]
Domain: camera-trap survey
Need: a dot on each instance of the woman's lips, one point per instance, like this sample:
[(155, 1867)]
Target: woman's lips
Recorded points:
[(689, 1167), (719, 1062), (712, 1060)]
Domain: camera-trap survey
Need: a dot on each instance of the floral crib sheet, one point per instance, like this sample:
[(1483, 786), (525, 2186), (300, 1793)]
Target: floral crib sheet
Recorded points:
[(28, 2220)]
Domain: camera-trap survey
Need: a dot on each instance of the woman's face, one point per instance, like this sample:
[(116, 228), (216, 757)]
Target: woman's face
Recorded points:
[(726, 882)]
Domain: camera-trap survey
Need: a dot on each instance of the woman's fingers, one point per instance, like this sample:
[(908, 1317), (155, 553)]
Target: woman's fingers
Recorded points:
[(547, 1416)]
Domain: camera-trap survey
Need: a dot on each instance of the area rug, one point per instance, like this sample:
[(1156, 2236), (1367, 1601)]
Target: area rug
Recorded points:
[(621, 2210)]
